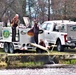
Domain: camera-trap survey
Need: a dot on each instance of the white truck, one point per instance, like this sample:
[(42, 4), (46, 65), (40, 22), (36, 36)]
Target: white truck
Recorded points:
[(59, 33), (22, 39)]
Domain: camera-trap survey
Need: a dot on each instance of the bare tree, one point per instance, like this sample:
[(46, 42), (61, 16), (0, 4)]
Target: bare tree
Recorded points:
[(64, 9), (11, 7), (41, 10)]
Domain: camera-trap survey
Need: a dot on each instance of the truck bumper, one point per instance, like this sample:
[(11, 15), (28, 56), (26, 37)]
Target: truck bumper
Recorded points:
[(70, 44)]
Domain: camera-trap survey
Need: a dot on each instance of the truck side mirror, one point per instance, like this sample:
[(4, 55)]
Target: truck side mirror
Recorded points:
[(41, 31)]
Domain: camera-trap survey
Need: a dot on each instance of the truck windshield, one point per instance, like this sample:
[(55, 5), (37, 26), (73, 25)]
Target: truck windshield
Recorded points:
[(44, 26)]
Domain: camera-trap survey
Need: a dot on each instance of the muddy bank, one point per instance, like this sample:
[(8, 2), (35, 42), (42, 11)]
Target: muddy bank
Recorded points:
[(32, 60)]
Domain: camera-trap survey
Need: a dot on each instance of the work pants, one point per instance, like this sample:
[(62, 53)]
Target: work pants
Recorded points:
[(13, 33)]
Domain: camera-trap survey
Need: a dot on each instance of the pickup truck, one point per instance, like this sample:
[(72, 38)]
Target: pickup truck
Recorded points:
[(59, 33)]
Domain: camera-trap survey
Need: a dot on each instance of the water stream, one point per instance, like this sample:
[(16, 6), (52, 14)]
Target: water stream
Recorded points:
[(51, 57)]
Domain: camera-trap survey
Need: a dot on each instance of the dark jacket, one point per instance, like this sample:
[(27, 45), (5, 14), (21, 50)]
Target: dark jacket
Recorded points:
[(36, 29)]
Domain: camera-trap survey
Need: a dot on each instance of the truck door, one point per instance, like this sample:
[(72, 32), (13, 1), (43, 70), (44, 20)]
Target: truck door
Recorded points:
[(45, 33), (51, 33), (48, 32)]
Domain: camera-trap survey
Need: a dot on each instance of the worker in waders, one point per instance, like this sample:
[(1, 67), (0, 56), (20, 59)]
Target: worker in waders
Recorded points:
[(36, 31), (14, 24)]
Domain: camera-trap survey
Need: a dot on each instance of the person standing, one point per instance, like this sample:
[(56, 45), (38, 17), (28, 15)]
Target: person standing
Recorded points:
[(14, 24), (35, 30)]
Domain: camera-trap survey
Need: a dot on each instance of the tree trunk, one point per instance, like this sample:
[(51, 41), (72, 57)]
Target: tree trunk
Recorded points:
[(48, 10)]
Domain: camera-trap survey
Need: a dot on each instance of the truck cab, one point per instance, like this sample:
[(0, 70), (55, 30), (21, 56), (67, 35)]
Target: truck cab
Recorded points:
[(54, 33)]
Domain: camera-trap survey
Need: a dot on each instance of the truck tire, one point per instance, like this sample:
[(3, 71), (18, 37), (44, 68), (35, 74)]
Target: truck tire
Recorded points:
[(38, 50), (11, 48), (72, 47), (60, 47), (6, 47)]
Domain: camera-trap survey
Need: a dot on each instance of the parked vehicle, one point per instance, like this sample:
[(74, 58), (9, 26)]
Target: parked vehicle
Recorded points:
[(59, 33), (22, 39)]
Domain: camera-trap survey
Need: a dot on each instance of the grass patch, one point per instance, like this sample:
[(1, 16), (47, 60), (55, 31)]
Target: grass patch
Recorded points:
[(71, 61), (32, 64), (26, 64), (1, 50)]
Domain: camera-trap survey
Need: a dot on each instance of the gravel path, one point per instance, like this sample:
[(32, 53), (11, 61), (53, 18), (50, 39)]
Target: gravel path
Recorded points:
[(44, 71)]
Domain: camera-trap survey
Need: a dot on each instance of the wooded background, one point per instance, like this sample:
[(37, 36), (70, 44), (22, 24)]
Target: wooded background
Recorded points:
[(40, 9)]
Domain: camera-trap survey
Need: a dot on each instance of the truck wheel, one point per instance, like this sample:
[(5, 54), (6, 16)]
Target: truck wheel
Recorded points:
[(6, 48), (38, 50), (11, 48), (60, 48), (72, 47)]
